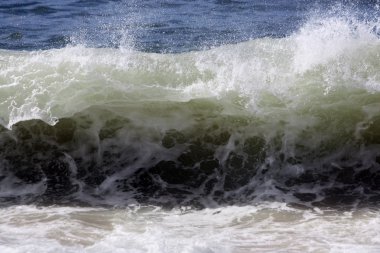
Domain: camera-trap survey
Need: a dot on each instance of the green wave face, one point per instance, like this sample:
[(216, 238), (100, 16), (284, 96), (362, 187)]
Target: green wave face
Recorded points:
[(263, 119)]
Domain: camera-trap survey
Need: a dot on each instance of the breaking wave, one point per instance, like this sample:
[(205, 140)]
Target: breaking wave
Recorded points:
[(293, 119)]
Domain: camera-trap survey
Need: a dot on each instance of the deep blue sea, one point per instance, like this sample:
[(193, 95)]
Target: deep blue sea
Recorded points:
[(213, 126), (159, 26)]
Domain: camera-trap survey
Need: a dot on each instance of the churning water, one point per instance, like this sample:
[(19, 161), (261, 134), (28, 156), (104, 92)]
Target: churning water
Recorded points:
[(215, 126)]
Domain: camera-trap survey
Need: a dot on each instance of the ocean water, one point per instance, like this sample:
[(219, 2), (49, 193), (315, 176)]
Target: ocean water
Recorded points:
[(190, 126)]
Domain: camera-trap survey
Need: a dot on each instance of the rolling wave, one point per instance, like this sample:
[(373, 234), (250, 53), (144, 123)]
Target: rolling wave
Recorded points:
[(295, 118)]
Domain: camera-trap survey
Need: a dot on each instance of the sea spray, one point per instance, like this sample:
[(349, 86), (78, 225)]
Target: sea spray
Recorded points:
[(194, 126)]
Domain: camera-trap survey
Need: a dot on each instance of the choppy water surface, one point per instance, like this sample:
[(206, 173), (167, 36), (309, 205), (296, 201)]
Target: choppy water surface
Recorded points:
[(202, 126)]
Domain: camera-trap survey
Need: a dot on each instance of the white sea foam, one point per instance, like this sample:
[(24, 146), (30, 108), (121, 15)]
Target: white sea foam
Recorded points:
[(268, 227)]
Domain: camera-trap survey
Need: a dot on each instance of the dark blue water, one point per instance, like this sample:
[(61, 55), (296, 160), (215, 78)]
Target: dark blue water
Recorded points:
[(156, 26)]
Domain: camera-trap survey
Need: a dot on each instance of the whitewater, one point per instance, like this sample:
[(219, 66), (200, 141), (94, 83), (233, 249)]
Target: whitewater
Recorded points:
[(266, 145)]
